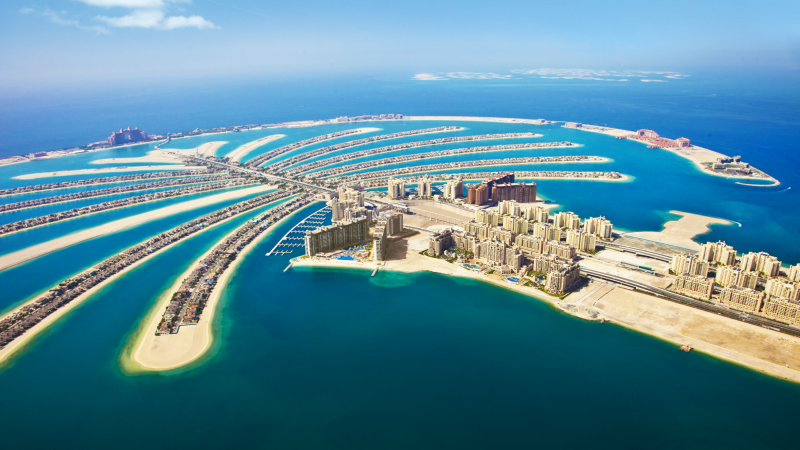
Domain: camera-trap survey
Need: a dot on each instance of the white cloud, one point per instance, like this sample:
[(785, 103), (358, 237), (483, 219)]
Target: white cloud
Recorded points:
[(184, 22), (59, 18), (148, 14)]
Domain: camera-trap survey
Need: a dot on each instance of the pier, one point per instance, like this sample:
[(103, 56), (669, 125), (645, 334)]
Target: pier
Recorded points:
[(289, 241)]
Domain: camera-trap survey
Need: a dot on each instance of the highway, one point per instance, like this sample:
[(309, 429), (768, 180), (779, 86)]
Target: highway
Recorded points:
[(255, 172), (674, 296)]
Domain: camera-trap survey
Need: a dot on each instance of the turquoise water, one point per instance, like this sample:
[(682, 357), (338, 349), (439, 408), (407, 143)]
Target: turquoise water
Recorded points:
[(337, 359), (420, 361)]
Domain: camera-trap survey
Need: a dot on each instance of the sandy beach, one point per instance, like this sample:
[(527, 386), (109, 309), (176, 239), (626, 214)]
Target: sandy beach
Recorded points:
[(153, 156), (167, 352), (742, 343), (243, 150), (69, 173), (681, 232), (27, 254)]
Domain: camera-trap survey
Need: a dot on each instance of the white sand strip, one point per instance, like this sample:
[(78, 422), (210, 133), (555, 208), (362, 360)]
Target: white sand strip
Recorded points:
[(243, 150), (681, 232), (27, 254)]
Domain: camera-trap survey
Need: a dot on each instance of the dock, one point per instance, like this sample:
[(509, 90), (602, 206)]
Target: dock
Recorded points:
[(296, 236)]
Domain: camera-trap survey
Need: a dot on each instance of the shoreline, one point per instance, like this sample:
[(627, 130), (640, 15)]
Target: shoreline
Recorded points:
[(107, 210), (602, 160), (68, 173), (144, 338), (682, 231), (26, 254), (312, 171), (362, 130), (243, 150), (673, 337), (17, 346)]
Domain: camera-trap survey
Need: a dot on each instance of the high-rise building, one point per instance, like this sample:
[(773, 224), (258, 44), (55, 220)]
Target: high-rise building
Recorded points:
[(336, 236), (379, 241), (480, 230), (338, 207), (500, 179), (478, 194), (127, 136), (694, 284), (782, 288), (531, 243), (516, 224), (761, 263), (734, 276), (488, 217), (582, 241), (425, 187), (546, 231), (493, 252), (567, 220), (560, 249), (541, 215), (521, 192), (353, 213), (688, 264), (397, 188), (718, 252), (351, 195), (794, 272), (562, 279), (502, 234), (741, 298), (440, 241), (454, 189), (599, 226), (782, 309), (394, 223), (467, 242)]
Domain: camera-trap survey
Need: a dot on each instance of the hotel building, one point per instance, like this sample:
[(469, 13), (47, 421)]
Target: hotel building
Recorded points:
[(741, 298), (454, 189), (734, 276), (394, 223), (336, 236), (425, 187), (690, 264), (694, 284), (478, 194), (397, 189), (379, 241), (521, 192)]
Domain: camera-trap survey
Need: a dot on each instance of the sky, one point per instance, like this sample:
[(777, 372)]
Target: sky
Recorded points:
[(52, 42)]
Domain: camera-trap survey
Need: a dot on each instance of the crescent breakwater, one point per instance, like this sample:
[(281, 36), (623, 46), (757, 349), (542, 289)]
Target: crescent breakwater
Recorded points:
[(484, 163), (409, 145), (32, 317), (272, 154), (435, 154), (281, 165), (121, 203)]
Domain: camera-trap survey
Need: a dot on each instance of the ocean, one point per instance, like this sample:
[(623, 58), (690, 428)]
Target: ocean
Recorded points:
[(323, 358)]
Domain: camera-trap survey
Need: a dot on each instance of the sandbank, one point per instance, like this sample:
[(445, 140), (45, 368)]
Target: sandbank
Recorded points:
[(153, 156), (243, 150), (69, 173), (681, 232), (33, 252), (20, 342), (170, 351)]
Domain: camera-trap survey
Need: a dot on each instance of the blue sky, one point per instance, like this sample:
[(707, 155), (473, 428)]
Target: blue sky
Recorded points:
[(51, 42)]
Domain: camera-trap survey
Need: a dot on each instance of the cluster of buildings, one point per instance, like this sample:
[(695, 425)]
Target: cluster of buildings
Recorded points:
[(28, 316), (404, 146), (190, 299), (344, 119), (455, 165), (95, 181), (261, 159), (519, 238), (127, 136), (655, 141), (111, 191), (280, 165), (750, 283), (119, 203), (500, 188), (732, 166)]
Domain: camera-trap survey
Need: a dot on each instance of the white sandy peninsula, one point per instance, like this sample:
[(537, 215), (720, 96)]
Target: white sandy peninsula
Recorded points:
[(69, 173)]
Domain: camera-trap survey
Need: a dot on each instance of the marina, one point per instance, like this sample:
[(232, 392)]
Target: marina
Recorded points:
[(294, 238)]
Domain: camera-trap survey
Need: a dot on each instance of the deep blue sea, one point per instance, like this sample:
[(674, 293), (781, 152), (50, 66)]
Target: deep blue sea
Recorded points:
[(335, 359)]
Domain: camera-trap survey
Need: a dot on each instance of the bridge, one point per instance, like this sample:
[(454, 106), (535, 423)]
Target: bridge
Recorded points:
[(273, 178), (296, 236)]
